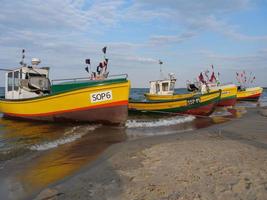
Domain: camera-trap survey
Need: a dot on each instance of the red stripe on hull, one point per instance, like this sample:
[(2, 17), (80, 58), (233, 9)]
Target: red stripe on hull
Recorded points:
[(254, 97), (114, 113), (202, 110), (227, 102)]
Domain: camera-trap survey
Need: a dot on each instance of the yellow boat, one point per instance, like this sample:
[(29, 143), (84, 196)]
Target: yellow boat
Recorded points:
[(163, 90), (201, 104), (249, 94), (29, 95)]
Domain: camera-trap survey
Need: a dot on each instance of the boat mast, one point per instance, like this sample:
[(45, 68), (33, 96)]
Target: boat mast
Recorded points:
[(160, 69)]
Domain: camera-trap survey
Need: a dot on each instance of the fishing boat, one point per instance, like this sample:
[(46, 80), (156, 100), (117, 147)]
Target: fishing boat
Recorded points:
[(245, 91), (198, 105), (31, 95), (162, 90), (249, 94)]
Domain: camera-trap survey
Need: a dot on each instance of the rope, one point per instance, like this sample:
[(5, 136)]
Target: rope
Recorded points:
[(202, 116)]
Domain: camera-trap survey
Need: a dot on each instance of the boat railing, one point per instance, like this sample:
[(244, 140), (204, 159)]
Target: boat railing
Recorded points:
[(115, 76)]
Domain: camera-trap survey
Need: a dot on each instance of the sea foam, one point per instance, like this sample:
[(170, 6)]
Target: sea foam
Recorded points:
[(70, 136), (159, 122)]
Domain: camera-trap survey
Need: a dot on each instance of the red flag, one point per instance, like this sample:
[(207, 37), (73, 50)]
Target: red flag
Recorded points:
[(212, 77), (201, 78)]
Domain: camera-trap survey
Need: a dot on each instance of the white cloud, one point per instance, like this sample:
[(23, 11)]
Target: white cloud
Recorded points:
[(170, 39), (194, 16)]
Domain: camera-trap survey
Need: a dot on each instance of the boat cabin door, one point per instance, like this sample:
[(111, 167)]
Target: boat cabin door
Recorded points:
[(12, 84)]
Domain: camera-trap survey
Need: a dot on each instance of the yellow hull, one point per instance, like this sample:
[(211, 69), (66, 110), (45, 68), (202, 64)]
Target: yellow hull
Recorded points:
[(96, 103), (198, 105), (156, 97), (250, 94)]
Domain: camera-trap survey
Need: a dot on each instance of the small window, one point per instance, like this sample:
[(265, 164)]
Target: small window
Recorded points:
[(165, 86), (10, 81), (157, 88), (16, 80), (20, 74)]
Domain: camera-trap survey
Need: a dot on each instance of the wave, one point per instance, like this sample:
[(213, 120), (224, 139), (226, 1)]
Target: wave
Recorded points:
[(161, 122), (70, 136)]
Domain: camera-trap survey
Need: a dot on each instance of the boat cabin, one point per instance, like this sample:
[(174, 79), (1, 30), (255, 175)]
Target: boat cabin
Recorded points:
[(27, 81), (163, 87)]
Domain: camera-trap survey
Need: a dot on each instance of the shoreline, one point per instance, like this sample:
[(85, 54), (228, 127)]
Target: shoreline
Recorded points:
[(214, 162)]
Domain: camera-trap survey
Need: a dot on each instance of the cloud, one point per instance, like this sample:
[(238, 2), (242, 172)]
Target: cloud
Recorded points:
[(250, 61), (170, 39), (193, 16), (61, 14)]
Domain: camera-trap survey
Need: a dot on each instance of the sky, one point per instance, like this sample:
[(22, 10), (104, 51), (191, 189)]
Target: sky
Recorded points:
[(187, 35)]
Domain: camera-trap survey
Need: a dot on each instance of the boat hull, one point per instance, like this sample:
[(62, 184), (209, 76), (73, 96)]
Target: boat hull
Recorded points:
[(228, 96), (74, 105), (231, 101), (249, 94), (197, 105)]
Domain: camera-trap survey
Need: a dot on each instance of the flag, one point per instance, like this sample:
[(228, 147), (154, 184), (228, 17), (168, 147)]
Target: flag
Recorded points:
[(160, 62), (87, 69), (253, 79), (201, 78), (212, 77), (87, 61), (104, 50)]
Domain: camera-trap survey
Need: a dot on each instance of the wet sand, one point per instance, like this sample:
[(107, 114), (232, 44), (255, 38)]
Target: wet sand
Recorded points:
[(224, 161)]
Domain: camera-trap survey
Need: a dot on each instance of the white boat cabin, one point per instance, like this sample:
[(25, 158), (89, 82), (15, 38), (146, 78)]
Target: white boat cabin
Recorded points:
[(27, 81), (163, 87)]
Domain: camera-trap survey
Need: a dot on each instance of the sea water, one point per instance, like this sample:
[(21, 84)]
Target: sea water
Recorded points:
[(35, 154)]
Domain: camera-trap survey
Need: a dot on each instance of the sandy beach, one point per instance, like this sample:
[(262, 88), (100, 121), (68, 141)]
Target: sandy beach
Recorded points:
[(225, 161)]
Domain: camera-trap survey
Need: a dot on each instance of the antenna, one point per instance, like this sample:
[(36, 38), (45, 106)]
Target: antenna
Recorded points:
[(160, 68)]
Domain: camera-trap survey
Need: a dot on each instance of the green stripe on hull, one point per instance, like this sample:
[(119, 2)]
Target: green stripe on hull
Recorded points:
[(227, 98), (185, 108), (68, 86)]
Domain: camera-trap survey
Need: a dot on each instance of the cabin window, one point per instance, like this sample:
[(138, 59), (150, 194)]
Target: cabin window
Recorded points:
[(165, 86), (157, 88), (16, 80), (10, 81), (36, 75), (20, 74), (172, 86)]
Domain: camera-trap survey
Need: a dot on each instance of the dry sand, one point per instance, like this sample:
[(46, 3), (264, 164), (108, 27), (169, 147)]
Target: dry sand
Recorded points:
[(227, 161)]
